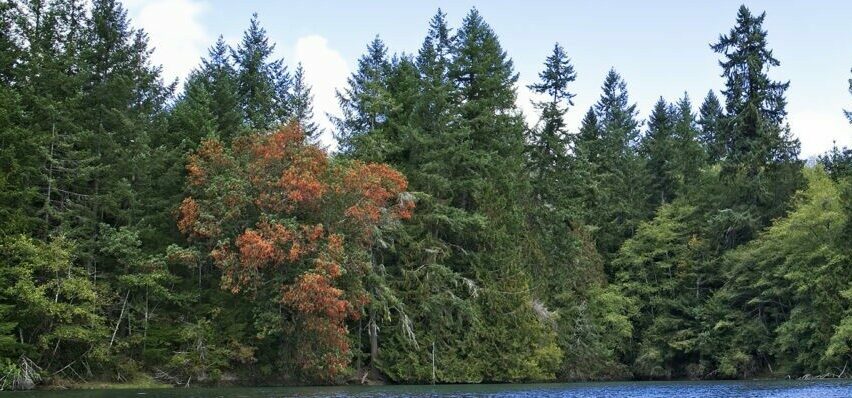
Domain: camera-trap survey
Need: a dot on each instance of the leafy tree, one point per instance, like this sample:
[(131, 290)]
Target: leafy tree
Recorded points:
[(55, 307), (273, 208), (788, 301), (663, 270)]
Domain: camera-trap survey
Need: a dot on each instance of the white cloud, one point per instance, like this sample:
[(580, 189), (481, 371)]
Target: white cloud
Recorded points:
[(817, 129), (175, 31), (325, 71)]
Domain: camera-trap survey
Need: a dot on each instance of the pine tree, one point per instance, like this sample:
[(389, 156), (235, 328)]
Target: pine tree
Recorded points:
[(615, 167), (263, 84), (302, 104), (710, 121), (760, 153), (364, 103), (549, 141), (220, 81)]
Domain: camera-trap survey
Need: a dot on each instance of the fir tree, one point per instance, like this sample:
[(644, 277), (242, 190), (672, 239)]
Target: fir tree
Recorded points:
[(615, 167), (302, 105), (849, 113), (263, 84), (364, 101), (658, 148), (549, 141), (220, 81), (710, 120), (760, 153)]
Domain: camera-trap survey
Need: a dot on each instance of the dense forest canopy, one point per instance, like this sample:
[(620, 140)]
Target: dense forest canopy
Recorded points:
[(201, 235)]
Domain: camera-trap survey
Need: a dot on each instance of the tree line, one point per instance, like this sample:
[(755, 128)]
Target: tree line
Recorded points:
[(202, 235)]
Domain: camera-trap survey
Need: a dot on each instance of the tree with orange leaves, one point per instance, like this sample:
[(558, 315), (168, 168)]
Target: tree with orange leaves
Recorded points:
[(283, 222)]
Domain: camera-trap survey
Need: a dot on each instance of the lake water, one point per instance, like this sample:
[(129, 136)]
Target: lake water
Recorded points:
[(686, 389)]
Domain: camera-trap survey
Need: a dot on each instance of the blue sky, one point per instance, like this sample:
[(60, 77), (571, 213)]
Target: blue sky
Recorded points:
[(660, 47)]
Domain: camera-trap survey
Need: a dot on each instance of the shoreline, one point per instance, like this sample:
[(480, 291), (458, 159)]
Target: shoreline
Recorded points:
[(151, 384)]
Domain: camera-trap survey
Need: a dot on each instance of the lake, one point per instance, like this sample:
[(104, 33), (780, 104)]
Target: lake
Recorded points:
[(684, 389)]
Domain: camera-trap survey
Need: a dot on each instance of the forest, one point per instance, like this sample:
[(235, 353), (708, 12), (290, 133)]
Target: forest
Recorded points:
[(201, 234)]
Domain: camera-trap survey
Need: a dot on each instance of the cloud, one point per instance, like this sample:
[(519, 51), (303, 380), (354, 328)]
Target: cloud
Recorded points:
[(817, 129), (175, 32), (325, 71)]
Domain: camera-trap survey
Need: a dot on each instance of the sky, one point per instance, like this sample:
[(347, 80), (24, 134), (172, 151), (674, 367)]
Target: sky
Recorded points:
[(661, 48)]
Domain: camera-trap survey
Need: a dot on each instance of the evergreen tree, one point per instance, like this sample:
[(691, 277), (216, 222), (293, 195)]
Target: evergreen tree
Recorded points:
[(658, 148), (710, 120), (760, 161), (263, 84), (849, 113), (494, 187), (548, 143), (364, 103), (615, 166), (220, 81), (689, 156), (302, 103)]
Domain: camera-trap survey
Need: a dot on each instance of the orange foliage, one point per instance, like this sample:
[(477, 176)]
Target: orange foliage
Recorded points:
[(301, 181), (293, 209), (325, 348), (255, 251), (187, 216), (210, 151)]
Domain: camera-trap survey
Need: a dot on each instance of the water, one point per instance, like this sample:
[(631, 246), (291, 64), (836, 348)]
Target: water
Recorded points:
[(686, 389)]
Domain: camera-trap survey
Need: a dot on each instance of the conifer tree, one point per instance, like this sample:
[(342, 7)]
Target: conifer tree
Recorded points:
[(710, 120), (549, 141), (263, 83), (658, 148), (760, 153), (849, 113), (220, 81), (364, 102), (615, 166), (671, 149), (494, 187), (302, 104)]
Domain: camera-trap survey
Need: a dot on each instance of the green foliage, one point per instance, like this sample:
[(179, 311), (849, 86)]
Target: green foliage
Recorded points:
[(52, 306), (785, 284), (691, 247), (613, 171)]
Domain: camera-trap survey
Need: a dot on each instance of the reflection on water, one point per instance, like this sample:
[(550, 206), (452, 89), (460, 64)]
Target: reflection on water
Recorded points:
[(723, 389)]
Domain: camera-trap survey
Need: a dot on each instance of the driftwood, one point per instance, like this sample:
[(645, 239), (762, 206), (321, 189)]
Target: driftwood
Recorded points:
[(25, 378)]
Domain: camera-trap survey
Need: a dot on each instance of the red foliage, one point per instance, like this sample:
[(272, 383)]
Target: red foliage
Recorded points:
[(294, 208), (187, 216)]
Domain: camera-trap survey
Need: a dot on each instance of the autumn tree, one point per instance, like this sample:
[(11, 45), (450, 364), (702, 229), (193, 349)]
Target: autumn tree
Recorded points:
[(273, 208)]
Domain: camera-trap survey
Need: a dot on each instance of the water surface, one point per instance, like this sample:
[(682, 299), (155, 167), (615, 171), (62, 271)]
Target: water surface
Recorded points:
[(684, 389)]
